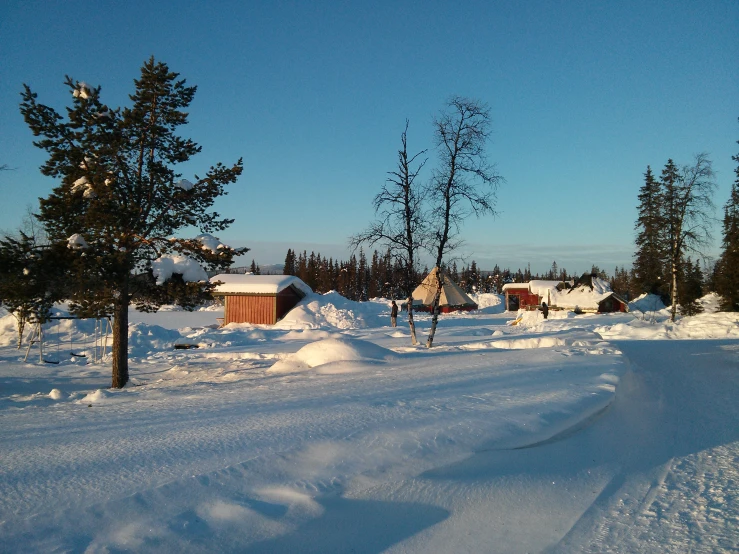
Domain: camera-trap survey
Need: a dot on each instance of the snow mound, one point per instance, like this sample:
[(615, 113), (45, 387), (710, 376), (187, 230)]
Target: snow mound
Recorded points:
[(710, 303), (143, 338), (489, 302), (646, 303), (55, 394), (722, 325), (333, 310), (330, 351), (8, 328), (97, 396), (535, 342)]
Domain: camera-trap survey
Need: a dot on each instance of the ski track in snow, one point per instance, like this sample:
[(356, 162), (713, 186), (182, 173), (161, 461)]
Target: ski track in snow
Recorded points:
[(501, 439)]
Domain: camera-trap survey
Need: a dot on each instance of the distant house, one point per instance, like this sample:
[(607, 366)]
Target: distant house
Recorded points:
[(261, 299), (452, 299), (588, 294), (527, 296)]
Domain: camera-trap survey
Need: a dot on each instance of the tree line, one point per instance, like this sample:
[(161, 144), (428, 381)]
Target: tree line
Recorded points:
[(673, 225), (383, 276)]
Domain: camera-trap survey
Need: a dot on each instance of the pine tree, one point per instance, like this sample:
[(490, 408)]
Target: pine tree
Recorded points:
[(726, 274), (289, 267), (30, 282), (690, 287), (120, 199), (649, 259)]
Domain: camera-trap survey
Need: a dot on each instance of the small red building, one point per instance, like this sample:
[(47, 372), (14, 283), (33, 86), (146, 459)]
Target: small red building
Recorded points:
[(259, 299), (522, 296)]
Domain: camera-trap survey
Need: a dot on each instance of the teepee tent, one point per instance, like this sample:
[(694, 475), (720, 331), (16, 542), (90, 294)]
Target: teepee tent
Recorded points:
[(452, 299)]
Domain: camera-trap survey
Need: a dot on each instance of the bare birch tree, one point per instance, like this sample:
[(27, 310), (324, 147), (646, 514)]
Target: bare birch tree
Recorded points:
[(688, 205), (463, 184), (400, 222)]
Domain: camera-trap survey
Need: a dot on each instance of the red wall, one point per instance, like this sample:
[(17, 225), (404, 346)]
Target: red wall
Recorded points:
[(250, 309), (261, 309), (525, 297)]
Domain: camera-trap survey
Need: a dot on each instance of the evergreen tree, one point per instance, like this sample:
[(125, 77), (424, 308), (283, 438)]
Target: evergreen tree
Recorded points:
[(726, 273), (120, 199), (691, 288), (649, 259), (289, 267), (30, 282)]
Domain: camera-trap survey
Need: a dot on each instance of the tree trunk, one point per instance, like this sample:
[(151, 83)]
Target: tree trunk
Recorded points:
[(411, 323), (435, 310), (120, 340), (673, 310), (21, 327)]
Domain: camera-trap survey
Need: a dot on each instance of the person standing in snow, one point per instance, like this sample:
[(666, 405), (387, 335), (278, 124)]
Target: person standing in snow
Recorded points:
[(394, 314), (544, 309)]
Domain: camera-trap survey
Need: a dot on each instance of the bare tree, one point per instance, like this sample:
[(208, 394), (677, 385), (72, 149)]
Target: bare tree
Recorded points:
[(463, 184), (400, 222), (688, 204)]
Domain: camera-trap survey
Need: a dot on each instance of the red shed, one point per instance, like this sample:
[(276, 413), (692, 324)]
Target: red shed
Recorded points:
[(261, 299), (519, 296)]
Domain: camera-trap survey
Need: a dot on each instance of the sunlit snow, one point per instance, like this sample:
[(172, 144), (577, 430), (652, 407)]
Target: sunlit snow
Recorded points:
[(330, 432)]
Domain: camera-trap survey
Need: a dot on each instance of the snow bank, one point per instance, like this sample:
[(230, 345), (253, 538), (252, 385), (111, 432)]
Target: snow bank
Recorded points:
[(143, 338), (489, 302), (721, 325), (329, 351), (333, 310), (646, 303)]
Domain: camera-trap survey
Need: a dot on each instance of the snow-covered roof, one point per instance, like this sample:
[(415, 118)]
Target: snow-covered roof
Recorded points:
[(541, 287), (257, 284), (583, 297), (517, 286)]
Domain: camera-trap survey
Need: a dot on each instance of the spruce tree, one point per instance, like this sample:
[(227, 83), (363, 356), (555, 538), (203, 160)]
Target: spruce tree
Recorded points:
[(726, 276), (690, 287), (289, 267), (121, 201), (649, 259)]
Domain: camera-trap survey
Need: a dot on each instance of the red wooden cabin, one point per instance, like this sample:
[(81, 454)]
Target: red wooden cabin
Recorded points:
[(259, 299)]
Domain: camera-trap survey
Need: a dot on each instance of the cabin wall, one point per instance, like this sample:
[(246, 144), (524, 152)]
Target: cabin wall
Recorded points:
[(526, 299), (250, 309), (286, 301)]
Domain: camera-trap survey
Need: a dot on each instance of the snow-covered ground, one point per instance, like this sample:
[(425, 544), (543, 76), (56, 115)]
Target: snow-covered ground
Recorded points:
[(330, 432)]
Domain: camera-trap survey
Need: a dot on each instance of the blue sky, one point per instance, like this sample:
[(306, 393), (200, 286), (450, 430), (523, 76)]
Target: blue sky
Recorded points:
[(314, 95)]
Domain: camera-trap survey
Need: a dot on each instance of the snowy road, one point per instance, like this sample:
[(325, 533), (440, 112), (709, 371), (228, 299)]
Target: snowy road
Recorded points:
[(658, 472)]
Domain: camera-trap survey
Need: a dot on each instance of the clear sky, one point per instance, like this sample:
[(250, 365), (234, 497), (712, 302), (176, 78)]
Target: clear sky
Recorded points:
[(314, 95)]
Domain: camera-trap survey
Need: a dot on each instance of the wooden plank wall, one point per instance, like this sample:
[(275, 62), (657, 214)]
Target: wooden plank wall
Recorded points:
[(286, 301), (250, 309)]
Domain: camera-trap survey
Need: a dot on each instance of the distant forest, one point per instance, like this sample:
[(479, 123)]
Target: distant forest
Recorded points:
[(361, 279)]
